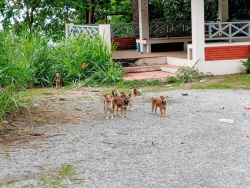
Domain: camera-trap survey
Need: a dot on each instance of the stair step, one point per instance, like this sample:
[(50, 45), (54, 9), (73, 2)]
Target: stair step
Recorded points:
[(150, 68), (160, 75)]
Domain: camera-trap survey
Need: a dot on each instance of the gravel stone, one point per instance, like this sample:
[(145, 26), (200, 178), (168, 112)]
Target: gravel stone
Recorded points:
[(189, 148)]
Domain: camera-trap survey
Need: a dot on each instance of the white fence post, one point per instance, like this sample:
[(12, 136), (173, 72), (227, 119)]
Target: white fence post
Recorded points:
[(105, 33), (67, 26)]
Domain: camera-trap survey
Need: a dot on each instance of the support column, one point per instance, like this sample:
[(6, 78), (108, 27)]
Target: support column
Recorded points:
[(143, 22), (223, 10), (198, 33), (105, 33)]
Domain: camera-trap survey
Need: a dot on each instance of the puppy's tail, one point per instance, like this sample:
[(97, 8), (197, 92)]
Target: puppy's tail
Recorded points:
[(115, 93)]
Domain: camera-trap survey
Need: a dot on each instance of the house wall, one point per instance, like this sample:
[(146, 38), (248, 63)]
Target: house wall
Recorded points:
[(224, 58), (125, 42)]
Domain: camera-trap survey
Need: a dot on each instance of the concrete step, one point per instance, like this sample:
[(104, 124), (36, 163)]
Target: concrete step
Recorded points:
[(150, 68), (153, 75)]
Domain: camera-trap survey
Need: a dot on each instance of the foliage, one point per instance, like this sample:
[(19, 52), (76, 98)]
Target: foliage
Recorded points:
[(23, 57), (30, 59), (52, 15), (82, 57), (172, 80), (9, 99), (188, 74), (246, 64)]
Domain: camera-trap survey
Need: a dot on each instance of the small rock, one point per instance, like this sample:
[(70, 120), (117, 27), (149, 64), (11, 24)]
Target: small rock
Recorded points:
[(155, 142)]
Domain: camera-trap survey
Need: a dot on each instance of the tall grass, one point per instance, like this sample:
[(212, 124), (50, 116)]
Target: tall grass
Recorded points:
[(31, 59), (86, 59)]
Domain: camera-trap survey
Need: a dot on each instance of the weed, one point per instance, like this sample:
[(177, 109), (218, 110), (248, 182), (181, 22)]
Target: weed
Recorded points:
[(56, 179), (246, 64), (188, 74), (172, 80)]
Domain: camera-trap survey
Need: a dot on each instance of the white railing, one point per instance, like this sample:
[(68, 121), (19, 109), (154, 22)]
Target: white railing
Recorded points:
[(102, 30), (90, 30), (227, 30), (214, 30)]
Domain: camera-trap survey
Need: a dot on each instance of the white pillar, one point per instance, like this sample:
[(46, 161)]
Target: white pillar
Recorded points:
[(105, 33), (223, 10), (198, 33), (143, 22), (69, 29)]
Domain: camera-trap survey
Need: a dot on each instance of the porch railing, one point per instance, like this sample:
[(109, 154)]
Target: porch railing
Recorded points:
[(156, 29), (227, 30), (214, 30)]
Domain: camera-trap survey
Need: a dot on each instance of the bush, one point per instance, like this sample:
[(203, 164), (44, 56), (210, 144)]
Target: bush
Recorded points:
[(188, 74), (246, 64)]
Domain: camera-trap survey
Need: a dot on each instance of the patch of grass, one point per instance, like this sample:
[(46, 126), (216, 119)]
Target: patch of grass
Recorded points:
[(7, 151), (32, 93), (56, 179), (138, 83), (230, 82), (211, 86), (244, 79)]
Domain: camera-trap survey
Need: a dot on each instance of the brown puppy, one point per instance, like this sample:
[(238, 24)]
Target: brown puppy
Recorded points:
[(108, 106), (121, 103), (135, 92), (161, 103), (58, 80)]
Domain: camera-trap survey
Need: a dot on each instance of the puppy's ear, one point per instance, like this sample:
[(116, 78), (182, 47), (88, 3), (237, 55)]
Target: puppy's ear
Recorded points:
[(161, 97), (105, 95)]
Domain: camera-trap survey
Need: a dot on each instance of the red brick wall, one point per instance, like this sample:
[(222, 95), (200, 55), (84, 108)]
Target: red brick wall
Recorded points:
[(125, 42), (226, 52)]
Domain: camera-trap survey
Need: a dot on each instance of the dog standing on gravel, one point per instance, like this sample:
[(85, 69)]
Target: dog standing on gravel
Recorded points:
[(161, 103), (135, 92), (108, 106), (58, 80), (122, 103)]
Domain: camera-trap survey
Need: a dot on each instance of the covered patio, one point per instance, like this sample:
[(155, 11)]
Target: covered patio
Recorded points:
[(217, 46), (221, 57)]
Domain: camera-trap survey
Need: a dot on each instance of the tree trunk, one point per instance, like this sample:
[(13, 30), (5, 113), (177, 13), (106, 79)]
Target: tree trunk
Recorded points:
[(135, 17), (91, 11)]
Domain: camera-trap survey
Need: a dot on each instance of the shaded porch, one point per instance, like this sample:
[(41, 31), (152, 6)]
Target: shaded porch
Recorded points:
[(133, 54)]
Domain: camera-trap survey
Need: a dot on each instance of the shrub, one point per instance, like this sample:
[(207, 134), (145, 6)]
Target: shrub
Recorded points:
[(188, 74), (246, 64)]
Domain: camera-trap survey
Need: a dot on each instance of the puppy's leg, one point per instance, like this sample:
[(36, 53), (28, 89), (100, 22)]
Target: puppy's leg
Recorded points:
[(117, 110), (161, 109), (107, 113), (112, 111), (130, 106), (153, 108), (104, 108), (125, 112), (122, 112), (165, 114)]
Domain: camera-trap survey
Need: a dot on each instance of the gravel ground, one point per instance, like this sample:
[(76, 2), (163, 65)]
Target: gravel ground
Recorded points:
[(188, 148)]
